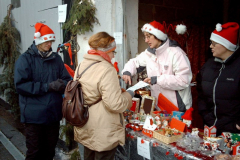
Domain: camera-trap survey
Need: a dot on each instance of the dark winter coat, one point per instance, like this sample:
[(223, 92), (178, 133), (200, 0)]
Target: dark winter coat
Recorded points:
[(218, 85), (32, 76)]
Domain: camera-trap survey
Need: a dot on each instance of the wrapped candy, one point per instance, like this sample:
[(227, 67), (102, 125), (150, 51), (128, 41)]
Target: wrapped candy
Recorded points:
[(190, 143)]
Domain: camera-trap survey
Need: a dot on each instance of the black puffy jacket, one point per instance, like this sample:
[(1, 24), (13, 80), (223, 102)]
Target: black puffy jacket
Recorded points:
[(31, 78), (218, 85)]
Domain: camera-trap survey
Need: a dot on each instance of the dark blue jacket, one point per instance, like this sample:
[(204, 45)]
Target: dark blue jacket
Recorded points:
[(218, 85), (31, 78)]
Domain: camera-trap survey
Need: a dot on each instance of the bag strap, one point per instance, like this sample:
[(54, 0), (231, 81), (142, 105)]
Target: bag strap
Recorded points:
[(79, 76)]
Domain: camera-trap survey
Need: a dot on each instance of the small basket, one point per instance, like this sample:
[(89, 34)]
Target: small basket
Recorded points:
[(166, 139)]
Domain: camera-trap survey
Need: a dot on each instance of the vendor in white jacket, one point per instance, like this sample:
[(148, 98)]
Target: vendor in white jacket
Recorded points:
[(167, 66)]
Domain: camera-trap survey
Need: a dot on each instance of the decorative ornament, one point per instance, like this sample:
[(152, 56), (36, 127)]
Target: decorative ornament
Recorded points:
[(167, 153), (187, 117), (75, 22)]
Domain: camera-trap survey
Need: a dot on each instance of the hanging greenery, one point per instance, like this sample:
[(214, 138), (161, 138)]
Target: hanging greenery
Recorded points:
[(67, 131), (81, 20), (9, 52), (82, 17)]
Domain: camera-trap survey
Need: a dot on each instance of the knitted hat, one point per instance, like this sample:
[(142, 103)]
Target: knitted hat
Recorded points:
[(158, 29), (43, 34), (226, 35), (188, 114)]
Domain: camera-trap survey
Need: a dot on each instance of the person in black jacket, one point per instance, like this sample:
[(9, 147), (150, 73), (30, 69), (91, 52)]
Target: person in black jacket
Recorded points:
[(40, 79), (218, 81)]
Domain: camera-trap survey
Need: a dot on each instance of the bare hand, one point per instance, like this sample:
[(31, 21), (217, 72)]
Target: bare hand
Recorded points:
[(127, 79), (147, 80), (237, 126)]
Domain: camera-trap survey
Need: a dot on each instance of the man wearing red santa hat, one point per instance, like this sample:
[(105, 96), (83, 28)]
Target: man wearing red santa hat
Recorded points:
[(40, 79), (218, 81), (167, 66)]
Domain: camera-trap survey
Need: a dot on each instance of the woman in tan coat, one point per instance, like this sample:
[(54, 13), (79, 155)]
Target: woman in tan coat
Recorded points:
[(104, 130)]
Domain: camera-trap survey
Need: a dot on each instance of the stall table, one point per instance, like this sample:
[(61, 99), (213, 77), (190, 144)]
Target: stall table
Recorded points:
[(129, 150)]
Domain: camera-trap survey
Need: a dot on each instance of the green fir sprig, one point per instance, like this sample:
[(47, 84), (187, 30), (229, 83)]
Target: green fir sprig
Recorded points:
[(82, 17)]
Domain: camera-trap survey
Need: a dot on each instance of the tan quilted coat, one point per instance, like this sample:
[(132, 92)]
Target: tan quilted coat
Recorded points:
[(105, 127)]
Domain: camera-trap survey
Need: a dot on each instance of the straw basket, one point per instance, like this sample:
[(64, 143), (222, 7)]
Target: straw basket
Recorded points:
[(166, 139)]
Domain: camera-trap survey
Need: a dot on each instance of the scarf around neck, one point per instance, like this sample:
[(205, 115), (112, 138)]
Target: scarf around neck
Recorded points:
[(100, 53)]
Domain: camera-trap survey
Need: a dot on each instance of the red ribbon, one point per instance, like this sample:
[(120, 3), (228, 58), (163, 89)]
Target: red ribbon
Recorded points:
[(69, 51)]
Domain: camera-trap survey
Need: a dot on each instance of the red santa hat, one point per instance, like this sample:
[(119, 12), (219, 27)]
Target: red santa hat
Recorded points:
[(226, 35), (188, 114), (43, 34), (158, 29)]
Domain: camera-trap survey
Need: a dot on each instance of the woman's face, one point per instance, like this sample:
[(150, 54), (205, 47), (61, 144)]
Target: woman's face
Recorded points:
[(151, 40), (112, 54), (219, 50)]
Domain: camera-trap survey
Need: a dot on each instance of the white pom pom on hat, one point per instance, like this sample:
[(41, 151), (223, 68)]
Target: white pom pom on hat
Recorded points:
[(181, 29), (218, 27), (37, 35)]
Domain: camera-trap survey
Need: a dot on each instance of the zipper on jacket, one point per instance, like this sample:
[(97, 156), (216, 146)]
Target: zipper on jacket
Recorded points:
[(214, 89)]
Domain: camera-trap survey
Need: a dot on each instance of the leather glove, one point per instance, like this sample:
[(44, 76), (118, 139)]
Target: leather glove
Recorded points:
[(57, 86)]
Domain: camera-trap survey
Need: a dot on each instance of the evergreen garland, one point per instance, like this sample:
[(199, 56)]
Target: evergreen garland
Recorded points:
[(67, 131), (9, 52), (81, 20), (82, 17)]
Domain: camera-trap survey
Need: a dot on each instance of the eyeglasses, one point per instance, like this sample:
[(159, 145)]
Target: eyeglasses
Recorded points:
[(147, 37), (114, 52), (213, 43)]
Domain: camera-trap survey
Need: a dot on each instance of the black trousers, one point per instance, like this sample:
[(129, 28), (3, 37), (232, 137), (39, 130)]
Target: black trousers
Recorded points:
[(94, 155), (41, 141)]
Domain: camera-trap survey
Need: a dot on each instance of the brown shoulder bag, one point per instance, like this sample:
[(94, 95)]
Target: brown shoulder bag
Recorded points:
[(73, 102)]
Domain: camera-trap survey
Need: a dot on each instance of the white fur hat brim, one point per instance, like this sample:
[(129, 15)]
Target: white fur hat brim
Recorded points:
[(45, 38), (218, 39)]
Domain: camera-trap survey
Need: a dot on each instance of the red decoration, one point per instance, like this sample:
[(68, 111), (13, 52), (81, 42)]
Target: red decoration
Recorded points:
[(133, 108), (151, 122), (70, 71), (69, 51), (167, 153), (142, 141), (115, 64), (155, 144), (176, 155)]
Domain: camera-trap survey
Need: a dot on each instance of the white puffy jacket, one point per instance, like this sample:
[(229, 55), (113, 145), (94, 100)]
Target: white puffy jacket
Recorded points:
[(171, 67)]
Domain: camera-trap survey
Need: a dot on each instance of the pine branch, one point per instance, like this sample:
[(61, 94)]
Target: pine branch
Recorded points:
[(9, 52), (82, 17)]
